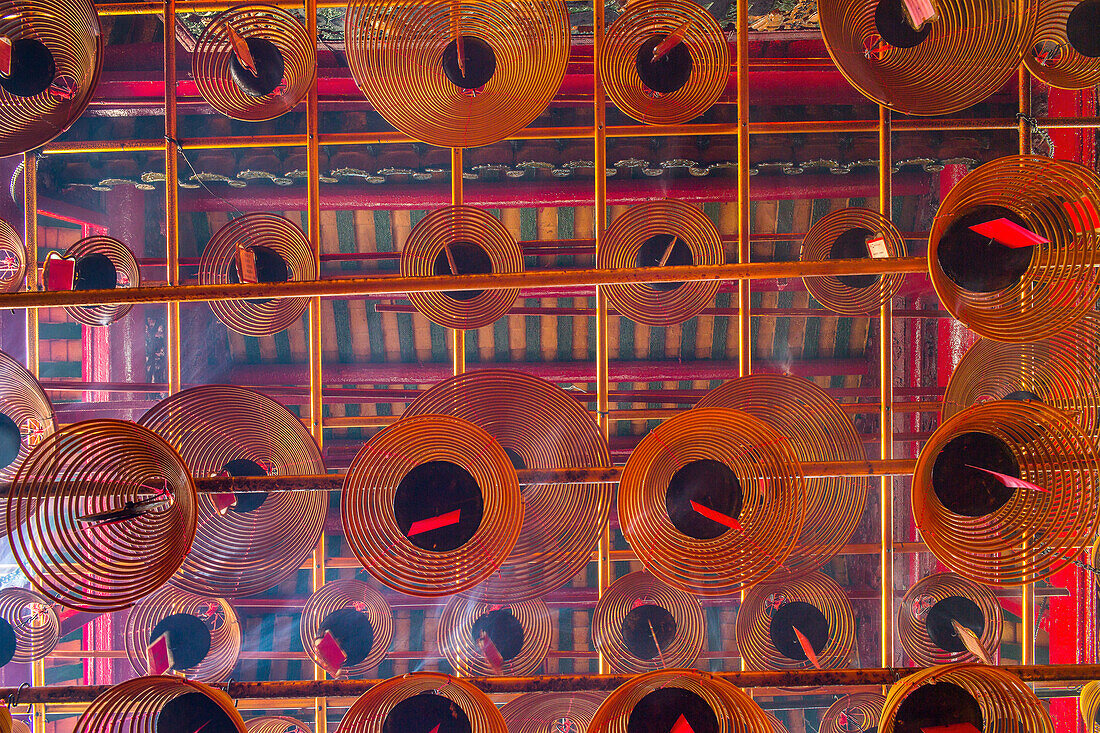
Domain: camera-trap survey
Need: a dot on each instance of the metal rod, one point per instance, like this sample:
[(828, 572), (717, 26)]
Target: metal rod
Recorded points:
[(458, 336), (886, 418), (30, 241), (171, 195), (1027, 602)]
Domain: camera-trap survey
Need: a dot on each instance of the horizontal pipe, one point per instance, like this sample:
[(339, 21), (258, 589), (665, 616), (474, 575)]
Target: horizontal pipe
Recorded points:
[(591, 312)]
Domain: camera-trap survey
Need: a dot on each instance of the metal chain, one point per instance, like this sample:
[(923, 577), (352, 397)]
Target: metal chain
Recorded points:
[(1042, 133)]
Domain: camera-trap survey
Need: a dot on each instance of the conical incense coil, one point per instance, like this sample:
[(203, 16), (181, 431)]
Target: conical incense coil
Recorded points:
[(101, 514), (422, 699), (282, 254), (1019, 293), (955, 61), (248, 542), (204, 633), (641, 625), (654, 702), (26, 415), (657, 84), (1064, 52), (282, 54), (814, 606), (539, 712), (431, 506), (849, 234), (29, 626), (712, 501), (855, 713), (540, 427), (987, 531), (482, 639), (817, 429), (57, 54), (658, 233), (1090, 706), (357, 617), (102, 263), (160, 704), (18, 726), (989, 698), (1060, 371), (776, 724), (13, 259), (461, 240), (929, 607), (276, 724), (404, 56)]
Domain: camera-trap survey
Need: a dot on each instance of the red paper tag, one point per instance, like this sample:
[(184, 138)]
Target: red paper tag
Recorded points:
[(681, 725), (492, 655), (1009, 233), (719, 517), (159, 656), (224, 502), (807, 648), (1010, 481), (5, 56), (671, 41), (919, 12), (246, 265), (58, 272), (329, 654), (427, 525), (240, 49), (953, 728)]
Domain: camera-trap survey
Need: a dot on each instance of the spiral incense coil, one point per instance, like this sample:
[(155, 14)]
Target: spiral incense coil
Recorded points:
[(1022, 293), (404, 56), (776, 724), (989, 698), (284, 56), (461, 240), (712, 501), (814, 605), (458, 498), (276, 724), (817, 429), (641, 624), (30, 626), (101, 514), (844, 234), (993, 534), (13, 259), (420, 700), (519, 632), (207, 627), (538, 712), (542, 427), (705, 701), (689, 77), (223, 430), (102, 263), (1059, 370), (283, 254), (18, 726), (855, 713), (57, 54), (923, 630), (955, 61), (1064, 52), (339, 596), (26, 415), (1090, 706), (159, 704), (665, 232)]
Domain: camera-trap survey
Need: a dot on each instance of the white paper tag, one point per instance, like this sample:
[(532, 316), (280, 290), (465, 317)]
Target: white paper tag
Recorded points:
[(877, 247)]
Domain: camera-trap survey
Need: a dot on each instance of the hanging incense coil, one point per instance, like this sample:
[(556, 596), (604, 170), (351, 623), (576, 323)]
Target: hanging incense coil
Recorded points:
[(420, 700), (849, 234), (519, 632), (102, 263), (276, 724), (855, 713), (955, 61), (357, 616), (248, 542), (26, 415), (712, 501), (431, 506), (989, 698), (18, 726), (1090, 705), (1021, 293), (1064, 52), (405, 59), (29, 626), (461, 240), (56, 57), (814, 605), (684, 81), (101, 514), (284, 56), (540, 427), (1060, 371), (13, 259), (659, 698), (160, 704), (926, 612), (988, 532), (204, 633), (817, 429), (775, 723), (539, 712), (665, 232), (641, 625), (283, 254)]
